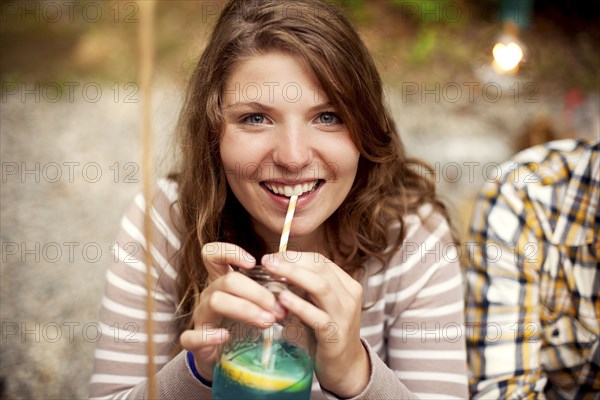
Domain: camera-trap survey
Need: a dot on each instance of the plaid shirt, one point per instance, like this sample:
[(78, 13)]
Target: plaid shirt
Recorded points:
[(533, 308)]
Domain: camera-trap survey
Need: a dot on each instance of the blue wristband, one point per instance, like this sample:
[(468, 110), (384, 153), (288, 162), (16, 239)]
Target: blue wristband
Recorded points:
[(192, 364)]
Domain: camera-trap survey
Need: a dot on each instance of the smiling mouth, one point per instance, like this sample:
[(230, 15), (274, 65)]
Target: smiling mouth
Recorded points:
[(295, 190)]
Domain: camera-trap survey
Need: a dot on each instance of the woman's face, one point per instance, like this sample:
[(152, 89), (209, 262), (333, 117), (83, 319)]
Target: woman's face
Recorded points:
[(281, 136)]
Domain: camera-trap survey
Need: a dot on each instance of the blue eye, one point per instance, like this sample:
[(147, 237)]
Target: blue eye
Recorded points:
[(329, 118), (255, 119)]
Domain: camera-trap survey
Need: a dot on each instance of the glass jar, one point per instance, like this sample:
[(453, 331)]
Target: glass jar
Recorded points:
[(276, 362)]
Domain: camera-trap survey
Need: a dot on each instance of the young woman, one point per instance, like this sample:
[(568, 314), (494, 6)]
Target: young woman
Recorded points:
[(286, 100)]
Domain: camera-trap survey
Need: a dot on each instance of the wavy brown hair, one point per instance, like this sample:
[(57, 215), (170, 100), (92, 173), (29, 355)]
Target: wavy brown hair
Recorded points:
[(387, 187)]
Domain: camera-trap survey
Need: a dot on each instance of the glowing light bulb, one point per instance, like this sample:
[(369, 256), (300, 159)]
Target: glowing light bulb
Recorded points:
[(507, 57)]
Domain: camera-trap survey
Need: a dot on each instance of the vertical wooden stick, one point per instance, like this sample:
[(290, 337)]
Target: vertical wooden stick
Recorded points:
[(146, 63)]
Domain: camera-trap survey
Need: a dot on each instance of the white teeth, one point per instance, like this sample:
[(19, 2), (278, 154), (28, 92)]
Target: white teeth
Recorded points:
[(288, 191)]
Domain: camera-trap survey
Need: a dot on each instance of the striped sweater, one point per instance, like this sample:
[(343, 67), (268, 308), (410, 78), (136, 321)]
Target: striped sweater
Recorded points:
[(412, 326)]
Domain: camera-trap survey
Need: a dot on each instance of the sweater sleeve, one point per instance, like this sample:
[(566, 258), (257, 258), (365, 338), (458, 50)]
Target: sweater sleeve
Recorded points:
[(413, 329), (121, 352)]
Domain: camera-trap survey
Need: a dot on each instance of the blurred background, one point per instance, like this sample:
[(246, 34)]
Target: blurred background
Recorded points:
[(70, 141)]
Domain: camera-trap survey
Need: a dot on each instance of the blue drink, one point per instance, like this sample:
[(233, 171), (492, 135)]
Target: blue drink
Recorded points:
[(272, 363), (241, 374)]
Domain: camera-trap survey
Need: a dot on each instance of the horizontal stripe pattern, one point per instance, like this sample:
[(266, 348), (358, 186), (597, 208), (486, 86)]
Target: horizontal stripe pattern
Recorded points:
[(417, 289)]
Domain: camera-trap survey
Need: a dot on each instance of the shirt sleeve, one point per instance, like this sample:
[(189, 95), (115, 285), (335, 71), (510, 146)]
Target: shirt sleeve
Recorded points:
[(505, 255), (419, 301), (121, 358)]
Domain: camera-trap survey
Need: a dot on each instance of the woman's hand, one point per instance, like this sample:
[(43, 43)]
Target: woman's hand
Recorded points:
[(341, 361), (227, 294)]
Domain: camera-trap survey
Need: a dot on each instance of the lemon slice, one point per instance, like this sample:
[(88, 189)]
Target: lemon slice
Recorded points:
[(247, 377), (260, 380)]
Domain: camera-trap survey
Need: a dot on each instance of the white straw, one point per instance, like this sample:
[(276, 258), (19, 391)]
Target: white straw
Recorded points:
[(287, 225), (268, 333)]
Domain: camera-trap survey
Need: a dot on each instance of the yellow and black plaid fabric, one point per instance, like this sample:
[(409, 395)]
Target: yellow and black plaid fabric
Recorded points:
[(533, 305)]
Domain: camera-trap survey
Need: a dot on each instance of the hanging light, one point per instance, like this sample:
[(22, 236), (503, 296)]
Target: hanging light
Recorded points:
[(508, 51)]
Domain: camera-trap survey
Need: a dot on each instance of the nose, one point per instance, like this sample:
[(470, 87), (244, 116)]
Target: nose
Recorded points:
[(293, 147)]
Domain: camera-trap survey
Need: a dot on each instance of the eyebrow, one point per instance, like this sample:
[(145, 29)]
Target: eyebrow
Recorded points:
[(267, 108), (322, 106), (248, 104)]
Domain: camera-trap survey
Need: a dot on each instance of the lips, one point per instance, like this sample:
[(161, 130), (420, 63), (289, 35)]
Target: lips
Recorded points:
[(288, 190)]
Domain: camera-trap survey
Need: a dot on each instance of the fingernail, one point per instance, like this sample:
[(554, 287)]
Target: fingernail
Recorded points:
[(279, 310), (269, 261), (264, 260), (267, 316), (285, 297)]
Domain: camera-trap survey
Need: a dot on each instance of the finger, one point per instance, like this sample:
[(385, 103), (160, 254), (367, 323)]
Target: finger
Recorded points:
[(353, 286), (310, 314), (244, 287), (222, 293), (321, 266), (299, 263), (218, 258), (204, 343), (205, 336), (320, 283), (240, 309)]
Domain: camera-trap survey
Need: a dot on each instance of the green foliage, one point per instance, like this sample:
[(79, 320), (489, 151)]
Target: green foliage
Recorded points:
[(424, 46), (356, 9), (352, 4), (426, 11)]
